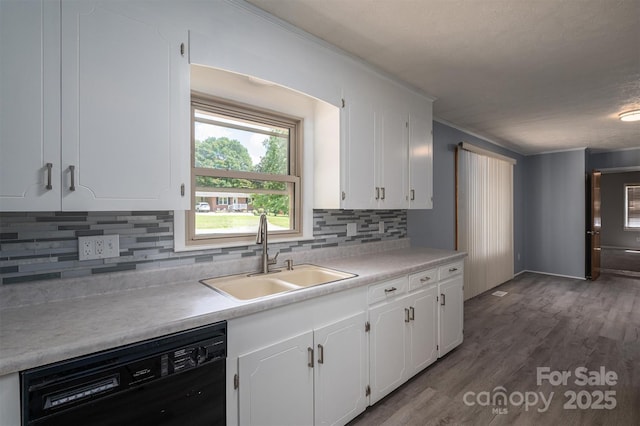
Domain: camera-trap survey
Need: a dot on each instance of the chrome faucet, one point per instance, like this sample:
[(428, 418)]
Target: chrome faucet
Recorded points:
[(262, 238)]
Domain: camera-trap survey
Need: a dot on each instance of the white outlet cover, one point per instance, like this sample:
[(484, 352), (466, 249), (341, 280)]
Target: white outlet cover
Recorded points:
[(352, 229), (98, 247), (381, 227)]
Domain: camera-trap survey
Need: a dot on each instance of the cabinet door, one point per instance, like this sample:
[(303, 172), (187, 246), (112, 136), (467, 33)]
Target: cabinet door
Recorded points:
[(420, 162), (125, 97), (451, 314), (341, 373), (387, 348), (359, 155), (423, 339), (276, 384), (29, 105), (394, 160)]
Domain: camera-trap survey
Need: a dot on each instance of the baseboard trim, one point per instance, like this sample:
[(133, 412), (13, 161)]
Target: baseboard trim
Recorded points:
[(555, 275)]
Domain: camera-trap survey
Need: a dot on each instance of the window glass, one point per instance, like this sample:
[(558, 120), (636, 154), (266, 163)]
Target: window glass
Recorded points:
[(632, 206), (244, 164)]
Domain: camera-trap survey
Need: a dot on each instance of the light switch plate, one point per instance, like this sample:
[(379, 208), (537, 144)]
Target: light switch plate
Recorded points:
[(98, 247), (381, 227)]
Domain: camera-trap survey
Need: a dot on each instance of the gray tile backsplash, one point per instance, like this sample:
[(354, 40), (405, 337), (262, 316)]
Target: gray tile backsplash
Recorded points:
[(44, 245)]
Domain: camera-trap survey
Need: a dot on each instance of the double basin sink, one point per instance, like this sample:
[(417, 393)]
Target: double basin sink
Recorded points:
[(254, 286)]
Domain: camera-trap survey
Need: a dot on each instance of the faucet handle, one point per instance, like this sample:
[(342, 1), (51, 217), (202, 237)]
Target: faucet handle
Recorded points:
[(273, 260)]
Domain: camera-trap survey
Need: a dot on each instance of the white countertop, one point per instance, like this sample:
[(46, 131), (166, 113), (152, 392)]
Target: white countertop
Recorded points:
[(44, 333)]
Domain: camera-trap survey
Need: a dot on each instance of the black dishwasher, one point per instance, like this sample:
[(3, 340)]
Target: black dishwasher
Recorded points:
[(172, 380)]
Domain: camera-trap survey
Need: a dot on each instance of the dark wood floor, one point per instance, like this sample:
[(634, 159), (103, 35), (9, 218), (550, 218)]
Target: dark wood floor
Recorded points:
[(543, 321)]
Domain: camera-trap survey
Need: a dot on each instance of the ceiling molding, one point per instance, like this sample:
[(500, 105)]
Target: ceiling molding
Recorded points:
[(558, 151), (477, 135)]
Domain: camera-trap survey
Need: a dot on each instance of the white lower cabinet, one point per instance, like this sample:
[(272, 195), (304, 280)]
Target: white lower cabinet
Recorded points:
[(318, 377), (314, 363), (451, 313), (277, 384), (387, 348), (341, 371), (423, 329), (403, 341)]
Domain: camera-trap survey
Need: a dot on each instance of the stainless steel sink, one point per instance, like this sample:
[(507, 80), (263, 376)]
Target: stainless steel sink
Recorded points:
[(249, 287)]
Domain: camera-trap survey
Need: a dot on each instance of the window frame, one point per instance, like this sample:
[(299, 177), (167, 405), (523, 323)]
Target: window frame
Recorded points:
[(626, 207), (241, 111)]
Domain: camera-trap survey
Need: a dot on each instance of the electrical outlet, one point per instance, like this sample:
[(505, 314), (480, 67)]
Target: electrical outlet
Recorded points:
[(98, 247), (85, 248), (381, 227), (352, 229)]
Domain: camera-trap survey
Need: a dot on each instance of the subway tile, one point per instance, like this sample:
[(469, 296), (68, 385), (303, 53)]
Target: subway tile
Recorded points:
[(26, 278)]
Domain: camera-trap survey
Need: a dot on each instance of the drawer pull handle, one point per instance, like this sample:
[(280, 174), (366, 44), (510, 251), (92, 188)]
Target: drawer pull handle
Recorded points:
[(49, 166), (425, 279), (442, 299), (382, 191), (320, 354), (406, 315), (413, 194), (390, 290), (412, 313), (72, 172), (310, 363), (453, 269), (377, 192)]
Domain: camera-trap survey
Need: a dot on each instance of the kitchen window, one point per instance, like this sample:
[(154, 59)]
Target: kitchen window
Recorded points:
[(245, 161), (632, 207)]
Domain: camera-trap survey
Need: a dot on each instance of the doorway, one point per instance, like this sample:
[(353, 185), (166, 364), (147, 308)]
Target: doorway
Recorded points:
[(619, 231)]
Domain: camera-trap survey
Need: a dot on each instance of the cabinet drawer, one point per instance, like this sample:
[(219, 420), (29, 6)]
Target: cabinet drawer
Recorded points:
[(421, 279), (387, 290), (451, 269)]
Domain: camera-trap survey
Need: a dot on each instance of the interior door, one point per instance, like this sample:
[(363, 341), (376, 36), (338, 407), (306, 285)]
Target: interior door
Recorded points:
[(595, 222)]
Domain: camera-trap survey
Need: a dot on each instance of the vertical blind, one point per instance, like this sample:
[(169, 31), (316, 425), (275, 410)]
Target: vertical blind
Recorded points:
[(485, 220)]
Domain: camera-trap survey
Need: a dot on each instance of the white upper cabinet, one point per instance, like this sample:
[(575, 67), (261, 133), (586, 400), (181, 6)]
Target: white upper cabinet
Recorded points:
[(360, 156), (99, 95), (392, 169), (421, 160), (385, 154), (29, 105), (374, 153), (125, 105)]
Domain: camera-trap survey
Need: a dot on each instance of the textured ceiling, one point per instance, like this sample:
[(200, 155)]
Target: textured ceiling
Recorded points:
[(532, 75)]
